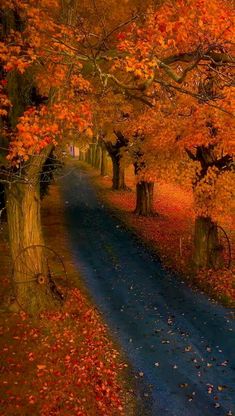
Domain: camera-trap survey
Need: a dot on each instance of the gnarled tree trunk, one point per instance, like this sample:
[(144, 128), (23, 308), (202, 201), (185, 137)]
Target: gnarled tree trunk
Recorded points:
[(144, 198), (114, 150), (118, 178), (23, 207), (24, 224)]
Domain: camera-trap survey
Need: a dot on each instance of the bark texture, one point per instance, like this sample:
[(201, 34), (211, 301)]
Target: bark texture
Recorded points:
[(24, 224), (144, 198), (114, 150), (24, 221), (205, 243), (118, 178)]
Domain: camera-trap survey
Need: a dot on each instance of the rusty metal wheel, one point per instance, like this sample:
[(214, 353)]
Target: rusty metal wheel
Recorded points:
[(219, 248), (39, 267)]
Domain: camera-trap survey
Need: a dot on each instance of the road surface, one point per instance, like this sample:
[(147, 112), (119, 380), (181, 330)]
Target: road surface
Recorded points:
[(180, 345)]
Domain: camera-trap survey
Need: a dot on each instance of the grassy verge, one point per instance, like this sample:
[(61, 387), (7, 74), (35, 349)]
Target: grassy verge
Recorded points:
[(61, 363)]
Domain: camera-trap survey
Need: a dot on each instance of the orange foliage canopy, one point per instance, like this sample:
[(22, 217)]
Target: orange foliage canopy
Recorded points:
[(179, 61), (161, 138), (38, 128), (176, 33), (36, 46), (181, 46)]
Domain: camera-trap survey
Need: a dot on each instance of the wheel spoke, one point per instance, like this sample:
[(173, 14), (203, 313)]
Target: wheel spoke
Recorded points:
[(24, 273), (26, 266), (25, 281), (50, 264)]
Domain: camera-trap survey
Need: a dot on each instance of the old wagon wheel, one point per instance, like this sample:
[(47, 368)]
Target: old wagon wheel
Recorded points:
[(38, 269), (219, 248)]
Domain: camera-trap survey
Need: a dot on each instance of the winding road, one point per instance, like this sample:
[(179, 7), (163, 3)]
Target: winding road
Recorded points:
[(180, 345)]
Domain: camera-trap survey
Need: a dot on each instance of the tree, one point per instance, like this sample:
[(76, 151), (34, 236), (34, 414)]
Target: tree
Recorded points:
[(184, 48), (193, 144), (46, 49), (34, 119), (151, 133), (111, 111), (139, 155), (208, 141), (55, 55), (114, 150), (179, 46)]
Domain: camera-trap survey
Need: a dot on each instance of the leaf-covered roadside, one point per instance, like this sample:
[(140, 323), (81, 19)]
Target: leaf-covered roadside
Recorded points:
[(59, 364), (62, 363), (169, 232)]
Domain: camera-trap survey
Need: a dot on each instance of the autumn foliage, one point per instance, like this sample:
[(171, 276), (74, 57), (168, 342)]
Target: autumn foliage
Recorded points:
[(63, 362), (68, 365), (170, 232), (154, 80), (33, 46), (40, 127)]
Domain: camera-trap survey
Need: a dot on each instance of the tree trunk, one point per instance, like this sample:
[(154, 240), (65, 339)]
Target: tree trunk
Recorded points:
[(93, 152), (98, 157), (88, 156), (118, 174), (144, 198), (23, 212), (24, 224), (23, 207), (122, 184), (104, 162), (81, 155), (205, 242)]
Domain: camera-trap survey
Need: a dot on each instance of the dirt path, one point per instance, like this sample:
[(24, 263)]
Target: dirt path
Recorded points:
[(180, 344)]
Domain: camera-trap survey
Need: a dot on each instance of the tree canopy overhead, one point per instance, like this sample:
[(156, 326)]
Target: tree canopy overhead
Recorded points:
[(153, 80)]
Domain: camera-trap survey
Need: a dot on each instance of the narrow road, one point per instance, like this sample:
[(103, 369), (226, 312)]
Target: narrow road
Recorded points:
[(181, 345)]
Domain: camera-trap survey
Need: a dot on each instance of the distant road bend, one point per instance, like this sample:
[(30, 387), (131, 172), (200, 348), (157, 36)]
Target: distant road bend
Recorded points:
[(180, 345)]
